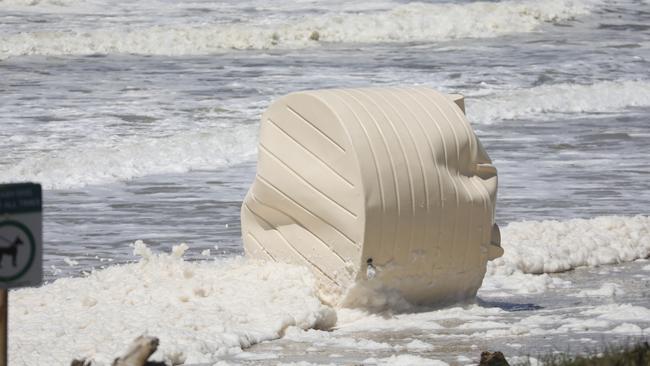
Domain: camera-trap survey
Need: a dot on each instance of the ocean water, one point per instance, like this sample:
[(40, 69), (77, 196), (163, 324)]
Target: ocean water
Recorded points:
[(140, 120)]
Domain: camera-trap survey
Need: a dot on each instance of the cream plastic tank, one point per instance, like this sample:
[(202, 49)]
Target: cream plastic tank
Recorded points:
[(386, 189)]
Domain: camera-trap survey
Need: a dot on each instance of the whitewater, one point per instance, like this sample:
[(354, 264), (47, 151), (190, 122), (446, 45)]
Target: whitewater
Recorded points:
[(140, 120), (388, 23)]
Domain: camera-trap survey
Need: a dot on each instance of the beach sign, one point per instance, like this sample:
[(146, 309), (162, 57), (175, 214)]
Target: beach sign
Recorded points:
[(21, 246), (21, 235)]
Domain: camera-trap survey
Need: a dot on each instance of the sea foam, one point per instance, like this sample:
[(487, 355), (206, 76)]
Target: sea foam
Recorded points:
[(417, 22), (556, 246), (535, 249), (200, 311), (210, 310)]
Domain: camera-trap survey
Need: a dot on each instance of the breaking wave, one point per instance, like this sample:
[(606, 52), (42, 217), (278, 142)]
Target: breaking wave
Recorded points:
[(95, 164), (92, 164), (560, 99), (416, 22)]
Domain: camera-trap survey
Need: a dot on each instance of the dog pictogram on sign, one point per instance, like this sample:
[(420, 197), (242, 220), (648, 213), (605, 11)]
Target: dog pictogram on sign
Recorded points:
[(17, 249), (21, 236)]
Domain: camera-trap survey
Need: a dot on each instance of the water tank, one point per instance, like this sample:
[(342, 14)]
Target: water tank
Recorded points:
[(379, 191)]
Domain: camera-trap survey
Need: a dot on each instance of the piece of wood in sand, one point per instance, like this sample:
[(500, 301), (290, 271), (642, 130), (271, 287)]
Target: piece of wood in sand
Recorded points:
[(137, 354)]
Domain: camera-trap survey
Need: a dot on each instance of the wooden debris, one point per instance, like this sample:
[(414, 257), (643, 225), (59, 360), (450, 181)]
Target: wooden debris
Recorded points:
[(140, 350), (82, 362), (137, 355)]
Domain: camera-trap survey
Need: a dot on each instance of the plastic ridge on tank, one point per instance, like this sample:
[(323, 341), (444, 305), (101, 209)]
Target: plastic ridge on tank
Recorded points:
[(380, 189)]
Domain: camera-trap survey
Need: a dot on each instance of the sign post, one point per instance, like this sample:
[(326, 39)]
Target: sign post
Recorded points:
[(21, 246), (4, 322)]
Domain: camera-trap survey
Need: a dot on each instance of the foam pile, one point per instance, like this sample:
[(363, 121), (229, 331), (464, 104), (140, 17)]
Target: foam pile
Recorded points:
[(416, 22), (559, 99), (556, 246), (210, 310), (200, 311), (533, 249)]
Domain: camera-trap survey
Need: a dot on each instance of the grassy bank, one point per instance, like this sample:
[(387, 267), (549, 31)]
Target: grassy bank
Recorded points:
[(630, 355)]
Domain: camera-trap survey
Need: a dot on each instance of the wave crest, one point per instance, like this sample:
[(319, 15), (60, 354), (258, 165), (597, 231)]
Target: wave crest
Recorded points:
[(92, 164), (416, 22), (565, 99)]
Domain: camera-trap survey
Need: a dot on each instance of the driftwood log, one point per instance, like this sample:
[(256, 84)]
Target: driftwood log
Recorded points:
[(137, 354)]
